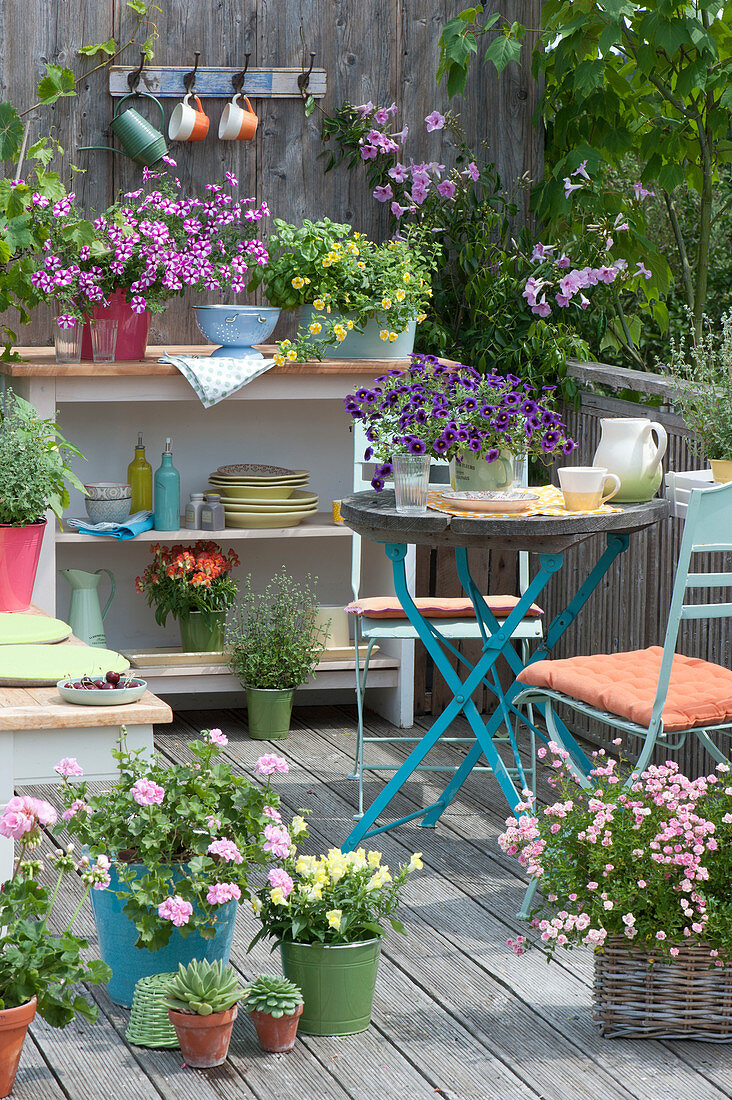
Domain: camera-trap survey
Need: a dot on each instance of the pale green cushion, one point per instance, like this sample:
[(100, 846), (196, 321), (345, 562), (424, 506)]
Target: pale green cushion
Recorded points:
[(17, 628), (38, 665)]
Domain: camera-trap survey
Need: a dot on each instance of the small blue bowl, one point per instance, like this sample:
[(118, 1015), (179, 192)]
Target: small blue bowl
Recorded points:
[(237, 328)]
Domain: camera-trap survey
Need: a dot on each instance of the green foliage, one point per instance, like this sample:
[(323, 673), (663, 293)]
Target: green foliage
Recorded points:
[(703, 371), (275, 641), (109, 48), (459, 41), (273, 995), (34, 471), (59, 81), (203, 988), (11, 131), (204, 801)]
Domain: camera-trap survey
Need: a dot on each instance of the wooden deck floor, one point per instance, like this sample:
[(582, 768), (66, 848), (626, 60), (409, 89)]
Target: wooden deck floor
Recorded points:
[(456, 1015)]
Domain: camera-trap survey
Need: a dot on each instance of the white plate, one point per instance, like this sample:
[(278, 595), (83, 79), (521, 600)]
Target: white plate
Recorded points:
[(507, 501)]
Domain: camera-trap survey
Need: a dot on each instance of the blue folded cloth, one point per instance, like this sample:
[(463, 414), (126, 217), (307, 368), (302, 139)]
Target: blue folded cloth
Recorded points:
[(134, 525), (214, 378)]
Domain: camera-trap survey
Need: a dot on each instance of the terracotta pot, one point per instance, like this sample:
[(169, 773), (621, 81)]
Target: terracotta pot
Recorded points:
[(20, 549), (276, 1034), (132, 328), (204, 1040), (13, 1028)]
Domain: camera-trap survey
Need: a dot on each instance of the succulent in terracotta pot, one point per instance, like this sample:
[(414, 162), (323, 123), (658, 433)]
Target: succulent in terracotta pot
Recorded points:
[(275, 1006)]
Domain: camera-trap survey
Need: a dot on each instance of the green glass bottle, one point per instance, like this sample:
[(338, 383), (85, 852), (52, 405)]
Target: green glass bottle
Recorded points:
[(167, 493), (139, 476)]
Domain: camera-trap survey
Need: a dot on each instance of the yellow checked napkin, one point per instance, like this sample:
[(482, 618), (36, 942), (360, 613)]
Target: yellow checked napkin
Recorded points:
[(550, 503)]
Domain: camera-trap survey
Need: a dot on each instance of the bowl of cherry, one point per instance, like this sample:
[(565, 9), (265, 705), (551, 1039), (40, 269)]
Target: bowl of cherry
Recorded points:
[(102, 691)]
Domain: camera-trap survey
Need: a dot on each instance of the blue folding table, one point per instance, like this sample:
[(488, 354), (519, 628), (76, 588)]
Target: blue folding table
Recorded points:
[(373, 516)]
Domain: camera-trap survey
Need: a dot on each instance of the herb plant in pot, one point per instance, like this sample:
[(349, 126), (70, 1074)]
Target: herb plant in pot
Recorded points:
[(275, 1006), (181, 839), (326, 913), (194, 584), (703, 372), (273, 646), (40, 966), (34, 473), (202, 1006)]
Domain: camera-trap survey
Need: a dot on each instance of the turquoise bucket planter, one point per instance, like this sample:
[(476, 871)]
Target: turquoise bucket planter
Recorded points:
[(367, 344), (118, 935)]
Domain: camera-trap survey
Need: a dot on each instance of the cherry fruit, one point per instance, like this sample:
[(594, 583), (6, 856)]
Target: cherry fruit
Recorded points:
[(112, 678)]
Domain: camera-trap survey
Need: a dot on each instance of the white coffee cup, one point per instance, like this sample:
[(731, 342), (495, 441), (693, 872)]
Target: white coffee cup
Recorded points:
[(237, 124), (188, 123), (583, 487)]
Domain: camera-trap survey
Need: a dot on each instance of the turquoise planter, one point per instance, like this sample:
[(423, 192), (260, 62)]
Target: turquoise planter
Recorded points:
[(118, 935), (367, 344)]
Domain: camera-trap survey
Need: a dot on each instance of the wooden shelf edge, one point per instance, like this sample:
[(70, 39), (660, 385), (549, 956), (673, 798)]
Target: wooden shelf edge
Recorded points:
[(320, 526)]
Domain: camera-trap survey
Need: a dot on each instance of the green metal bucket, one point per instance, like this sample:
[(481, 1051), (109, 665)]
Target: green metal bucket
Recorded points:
[(202, 631), (268, 713), (337, 983)]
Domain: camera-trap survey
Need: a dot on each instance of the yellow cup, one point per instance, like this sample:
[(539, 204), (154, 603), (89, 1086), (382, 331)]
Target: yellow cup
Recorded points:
[(337, 517)]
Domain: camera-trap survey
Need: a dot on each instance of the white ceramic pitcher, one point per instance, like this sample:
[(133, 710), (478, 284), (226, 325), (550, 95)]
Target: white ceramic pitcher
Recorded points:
[(628, 448)]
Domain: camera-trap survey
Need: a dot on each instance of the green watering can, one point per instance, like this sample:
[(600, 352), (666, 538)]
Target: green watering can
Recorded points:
[(85, 615), (139, 138)]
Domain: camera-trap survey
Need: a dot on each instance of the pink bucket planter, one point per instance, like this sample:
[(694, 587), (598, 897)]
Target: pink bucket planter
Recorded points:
[(132, 328), (20, 549)]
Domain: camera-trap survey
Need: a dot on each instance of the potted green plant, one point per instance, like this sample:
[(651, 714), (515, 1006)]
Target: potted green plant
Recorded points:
[(325, 913), (39, 967), (202, 1006), (195, 586), (275, 1006), (481, 423), (703, 371), (273, 646), (640, 874), (358, 299), (34, 476), (181, 839)]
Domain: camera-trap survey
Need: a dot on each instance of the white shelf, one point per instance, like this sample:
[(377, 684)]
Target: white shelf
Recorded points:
[(319, 525)]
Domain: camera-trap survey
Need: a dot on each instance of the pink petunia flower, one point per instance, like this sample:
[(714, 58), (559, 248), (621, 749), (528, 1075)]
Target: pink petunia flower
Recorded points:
[(270, 763), (219, 893), (435, 121), (175, 909), (147, 793), (69, 766)]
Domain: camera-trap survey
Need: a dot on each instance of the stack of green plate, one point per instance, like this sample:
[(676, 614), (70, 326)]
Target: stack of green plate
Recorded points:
[(263, 496)]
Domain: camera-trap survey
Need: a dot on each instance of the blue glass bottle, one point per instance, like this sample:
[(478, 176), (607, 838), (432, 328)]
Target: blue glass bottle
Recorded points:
[(167, 493)]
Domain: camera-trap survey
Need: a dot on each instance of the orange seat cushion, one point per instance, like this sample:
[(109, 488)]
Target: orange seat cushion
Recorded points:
[(699, 693), (388, 607)]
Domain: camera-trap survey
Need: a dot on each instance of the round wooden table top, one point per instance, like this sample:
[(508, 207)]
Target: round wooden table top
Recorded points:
[(374, 516)]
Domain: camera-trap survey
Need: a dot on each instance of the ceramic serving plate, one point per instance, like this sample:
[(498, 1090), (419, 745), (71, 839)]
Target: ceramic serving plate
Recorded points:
[(254, 510), (96, 697), (292, 475), (299, 499), (260, 520), (506, 501), (253, 469), (246, 492)]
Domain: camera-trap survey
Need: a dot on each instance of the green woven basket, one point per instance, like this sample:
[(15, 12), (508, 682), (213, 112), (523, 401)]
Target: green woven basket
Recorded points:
[(149, 1025)]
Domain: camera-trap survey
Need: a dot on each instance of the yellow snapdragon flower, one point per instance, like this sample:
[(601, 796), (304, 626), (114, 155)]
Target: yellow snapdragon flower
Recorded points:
[(373, 859), (297, 825), (277, 897), (256, 906), (306, 865), (415, 863), (334, 918)]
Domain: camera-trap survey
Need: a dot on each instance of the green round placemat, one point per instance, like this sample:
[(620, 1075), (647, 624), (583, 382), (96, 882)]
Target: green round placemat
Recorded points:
[(39, 665), (16, 628), (149, 1024)]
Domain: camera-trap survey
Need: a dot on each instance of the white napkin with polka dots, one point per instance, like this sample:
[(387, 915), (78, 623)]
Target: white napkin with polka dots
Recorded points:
[(215, 378)]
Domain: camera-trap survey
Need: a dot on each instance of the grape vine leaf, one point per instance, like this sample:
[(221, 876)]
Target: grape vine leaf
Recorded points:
[(11, 131), (138, 6), (109, 48), (57, 82)]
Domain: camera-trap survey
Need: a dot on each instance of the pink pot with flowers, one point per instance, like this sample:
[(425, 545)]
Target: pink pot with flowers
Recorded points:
[(133, 326)]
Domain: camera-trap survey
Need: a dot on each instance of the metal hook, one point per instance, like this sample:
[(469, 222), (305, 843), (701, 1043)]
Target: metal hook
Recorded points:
[(238, 78), (189, 80), (304, 78), (133, 79)]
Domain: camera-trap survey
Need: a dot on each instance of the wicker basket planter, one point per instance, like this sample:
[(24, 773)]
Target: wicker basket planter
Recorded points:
[(641, 996)]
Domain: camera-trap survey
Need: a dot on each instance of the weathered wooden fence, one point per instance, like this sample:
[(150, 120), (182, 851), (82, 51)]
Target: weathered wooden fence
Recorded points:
[(379, 50), (629, 609)]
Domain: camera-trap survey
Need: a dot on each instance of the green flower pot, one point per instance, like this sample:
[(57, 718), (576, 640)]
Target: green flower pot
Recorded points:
[(474, 473), (268, 713), (202, 631), (337, 983), (363, 345)]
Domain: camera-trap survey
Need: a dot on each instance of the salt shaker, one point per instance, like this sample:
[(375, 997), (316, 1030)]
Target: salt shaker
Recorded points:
[(213, 516), (193, 512)]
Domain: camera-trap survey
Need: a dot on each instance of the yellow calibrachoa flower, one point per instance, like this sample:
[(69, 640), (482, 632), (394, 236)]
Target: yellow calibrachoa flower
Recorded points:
[(421, 317), (292, 355), (415, 863), (400, 295), (339, 332), (384, 334), (349, 325), (279, 360), (334, 918), (360, 264), (319, 303), (406, 277), (386, 303), (278, 898), (298, 282), (315, 327), (297, 825)]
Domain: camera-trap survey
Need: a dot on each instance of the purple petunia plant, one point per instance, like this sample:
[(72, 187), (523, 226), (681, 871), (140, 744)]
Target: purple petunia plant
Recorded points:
[(153, 243), (450, 411)]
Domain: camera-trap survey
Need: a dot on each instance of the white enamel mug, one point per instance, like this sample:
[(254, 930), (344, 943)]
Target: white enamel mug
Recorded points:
[(583, 487), (188, 123), (237, 124)]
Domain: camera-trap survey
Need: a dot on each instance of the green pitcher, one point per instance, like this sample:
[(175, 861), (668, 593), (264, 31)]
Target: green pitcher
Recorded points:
[(138, 137), (86, 617)]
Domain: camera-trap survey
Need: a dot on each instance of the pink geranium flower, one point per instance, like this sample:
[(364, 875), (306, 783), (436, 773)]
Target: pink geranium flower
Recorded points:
[(271, 763), (216, 737), (226, 850), (279, 877), (219, 893), (175, 909), (69, 766), (23, 814), (147, 793), (76, 805), (277, 841)]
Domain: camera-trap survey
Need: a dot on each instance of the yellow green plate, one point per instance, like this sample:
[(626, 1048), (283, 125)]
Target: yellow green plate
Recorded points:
[(37, 665), (17, 628), (294, 503), (261, 520)]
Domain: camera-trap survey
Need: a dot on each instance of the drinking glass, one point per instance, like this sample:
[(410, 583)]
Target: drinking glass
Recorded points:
[(68, 343), (104, 340), (411, 479)]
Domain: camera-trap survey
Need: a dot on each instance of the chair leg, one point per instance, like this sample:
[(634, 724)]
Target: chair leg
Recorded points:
[(714, 751), (525, 911), (358, 764)]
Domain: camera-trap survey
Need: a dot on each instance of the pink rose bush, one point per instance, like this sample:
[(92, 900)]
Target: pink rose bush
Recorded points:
[(197, 825), (649, 861)]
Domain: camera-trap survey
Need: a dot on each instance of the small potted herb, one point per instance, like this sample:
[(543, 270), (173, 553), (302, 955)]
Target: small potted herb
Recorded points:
[(202, 1006), (274, 645), (275, 1006), (34, 476)]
